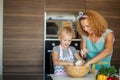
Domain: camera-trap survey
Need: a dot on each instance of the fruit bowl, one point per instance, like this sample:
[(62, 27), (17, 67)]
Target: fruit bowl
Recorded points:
[(77, 71)]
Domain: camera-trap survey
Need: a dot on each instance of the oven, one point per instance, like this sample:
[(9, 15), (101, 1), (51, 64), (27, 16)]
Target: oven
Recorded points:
[(52, 27)]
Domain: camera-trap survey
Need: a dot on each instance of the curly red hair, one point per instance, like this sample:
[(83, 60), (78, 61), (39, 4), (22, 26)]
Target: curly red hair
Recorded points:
[(96, 21)]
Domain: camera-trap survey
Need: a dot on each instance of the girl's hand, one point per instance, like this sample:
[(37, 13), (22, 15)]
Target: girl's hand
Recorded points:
[(71, 64), (79, 62), (83, 62)]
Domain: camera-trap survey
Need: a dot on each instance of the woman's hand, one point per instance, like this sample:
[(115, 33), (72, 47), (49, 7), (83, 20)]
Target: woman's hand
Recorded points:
[(87, 63), (84, 52), (84, 55)]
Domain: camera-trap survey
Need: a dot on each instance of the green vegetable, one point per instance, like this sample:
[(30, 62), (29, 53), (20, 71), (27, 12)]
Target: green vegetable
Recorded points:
[(108, 71)]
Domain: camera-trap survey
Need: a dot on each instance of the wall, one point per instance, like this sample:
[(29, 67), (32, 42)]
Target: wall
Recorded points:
[(23, 37), (1, 35)]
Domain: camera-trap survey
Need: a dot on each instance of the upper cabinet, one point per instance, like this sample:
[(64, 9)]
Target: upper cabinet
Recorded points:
[(106, 7), (65, 5)]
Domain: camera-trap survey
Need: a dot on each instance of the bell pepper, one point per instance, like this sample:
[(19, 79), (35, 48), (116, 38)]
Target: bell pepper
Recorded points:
[(102, 77)]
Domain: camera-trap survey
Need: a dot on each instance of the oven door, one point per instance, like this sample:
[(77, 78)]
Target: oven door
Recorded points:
[(51, 29), (49, 67)]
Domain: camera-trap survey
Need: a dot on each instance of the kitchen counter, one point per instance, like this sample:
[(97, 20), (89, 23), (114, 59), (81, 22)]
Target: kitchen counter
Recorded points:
[(66, 77)]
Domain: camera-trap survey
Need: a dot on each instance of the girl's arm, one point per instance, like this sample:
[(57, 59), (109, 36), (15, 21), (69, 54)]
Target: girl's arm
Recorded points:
[(106, 52), (58, 62)]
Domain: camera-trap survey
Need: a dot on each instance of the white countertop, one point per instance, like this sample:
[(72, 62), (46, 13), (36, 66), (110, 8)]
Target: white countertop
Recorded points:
[(66, 77)]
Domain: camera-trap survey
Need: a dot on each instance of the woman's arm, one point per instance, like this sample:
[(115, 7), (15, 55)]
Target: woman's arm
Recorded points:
[(82, 44), (106, 52), (83, 49), (58, 62)]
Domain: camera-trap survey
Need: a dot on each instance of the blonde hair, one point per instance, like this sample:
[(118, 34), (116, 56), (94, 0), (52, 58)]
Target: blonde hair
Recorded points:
[(96, 22), (67, 28)]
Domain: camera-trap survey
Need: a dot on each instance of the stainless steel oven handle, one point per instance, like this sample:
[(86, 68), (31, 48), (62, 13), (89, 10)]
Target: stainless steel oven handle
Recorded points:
[(50, 51)]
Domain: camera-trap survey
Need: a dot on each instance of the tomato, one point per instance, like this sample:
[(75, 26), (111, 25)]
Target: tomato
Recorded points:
[(116, 78), (110, 78)]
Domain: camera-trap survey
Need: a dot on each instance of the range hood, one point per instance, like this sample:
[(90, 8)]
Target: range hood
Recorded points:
[(61, 16)]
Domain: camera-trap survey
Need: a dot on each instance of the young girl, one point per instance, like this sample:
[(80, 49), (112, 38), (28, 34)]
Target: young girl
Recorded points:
[(64, 54)]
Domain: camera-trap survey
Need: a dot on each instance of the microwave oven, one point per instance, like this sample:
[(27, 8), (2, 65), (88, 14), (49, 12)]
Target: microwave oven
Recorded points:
[(52, 27)]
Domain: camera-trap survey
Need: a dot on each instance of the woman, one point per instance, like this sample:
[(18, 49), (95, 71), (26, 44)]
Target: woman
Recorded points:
[(97, 39)]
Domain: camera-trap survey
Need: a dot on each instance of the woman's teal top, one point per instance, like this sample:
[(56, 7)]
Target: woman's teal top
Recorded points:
[(94, 48)]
